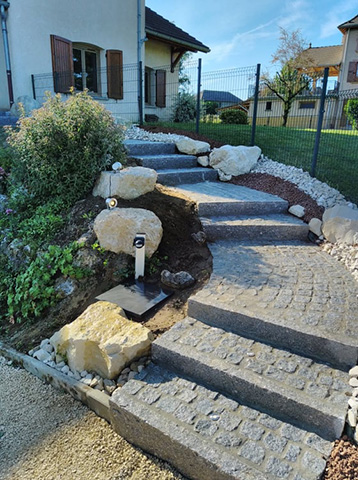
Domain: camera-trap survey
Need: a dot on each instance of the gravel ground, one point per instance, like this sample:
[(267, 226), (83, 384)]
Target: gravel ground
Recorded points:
[(47, 435)]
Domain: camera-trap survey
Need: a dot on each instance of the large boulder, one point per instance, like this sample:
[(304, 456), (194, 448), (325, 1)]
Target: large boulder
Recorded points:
[(340, 224), (192, 147), (234, 161), (129, 183), (116, 229), (27, 104), (102, 340)]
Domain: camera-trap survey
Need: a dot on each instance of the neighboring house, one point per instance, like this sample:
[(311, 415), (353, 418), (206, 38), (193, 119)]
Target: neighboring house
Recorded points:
[(223, 99), (58, 45), (342, 61)]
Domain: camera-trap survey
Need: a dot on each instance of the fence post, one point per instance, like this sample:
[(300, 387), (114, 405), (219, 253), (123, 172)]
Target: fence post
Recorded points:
[(140, 92), (256, 100), (33, 86), (198, 98), (319, 123)]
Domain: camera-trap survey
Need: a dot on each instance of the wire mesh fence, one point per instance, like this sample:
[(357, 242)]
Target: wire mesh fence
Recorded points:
[(220, 105)]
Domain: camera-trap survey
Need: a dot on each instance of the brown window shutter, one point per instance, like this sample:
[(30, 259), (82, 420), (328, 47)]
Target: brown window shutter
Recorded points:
[(160, 88), (62, 64), (115, 74), (352, 72)]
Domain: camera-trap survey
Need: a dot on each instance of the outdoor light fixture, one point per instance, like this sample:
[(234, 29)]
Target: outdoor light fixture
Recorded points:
[(117, 166), (139, 244), (111, 203)]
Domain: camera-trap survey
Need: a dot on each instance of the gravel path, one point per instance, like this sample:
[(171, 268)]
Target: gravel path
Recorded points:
[(47, 435)]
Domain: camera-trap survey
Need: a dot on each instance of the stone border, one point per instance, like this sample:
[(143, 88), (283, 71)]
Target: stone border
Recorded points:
[(94, 399)]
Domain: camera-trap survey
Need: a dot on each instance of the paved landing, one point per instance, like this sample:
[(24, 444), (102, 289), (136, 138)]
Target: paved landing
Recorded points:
[(294, 295)]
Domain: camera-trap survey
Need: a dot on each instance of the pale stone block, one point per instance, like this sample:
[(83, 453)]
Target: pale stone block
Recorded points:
[(297, 211), (340, 224), (128, 184), (315, 226), (116, 229), (102, 340), (203, 161), (234, 160), (192, 147)]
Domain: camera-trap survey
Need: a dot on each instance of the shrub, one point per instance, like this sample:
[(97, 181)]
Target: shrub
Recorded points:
[(184, 108), (238, 117), (351, 110), (62, 147)]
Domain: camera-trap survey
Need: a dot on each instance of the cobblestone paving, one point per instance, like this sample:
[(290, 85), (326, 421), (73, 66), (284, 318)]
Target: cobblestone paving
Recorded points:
[(300, 374), (294, 284), (252, 438)]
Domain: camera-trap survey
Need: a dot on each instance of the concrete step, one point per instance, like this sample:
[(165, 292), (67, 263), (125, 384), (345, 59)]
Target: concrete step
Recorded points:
[(209, 436), (293, 296), (217, 198), (292, 387), (142, 147), (166, 161), (250, 227), (7, 119), (174, 176)]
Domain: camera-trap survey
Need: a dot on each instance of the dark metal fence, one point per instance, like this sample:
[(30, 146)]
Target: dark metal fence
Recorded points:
[(190, 99)]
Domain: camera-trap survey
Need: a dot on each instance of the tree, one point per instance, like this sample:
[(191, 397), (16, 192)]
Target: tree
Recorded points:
[(211, 108), (292, 79), (351, 110)]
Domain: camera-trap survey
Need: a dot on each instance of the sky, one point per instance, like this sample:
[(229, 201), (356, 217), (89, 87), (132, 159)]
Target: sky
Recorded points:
[(242, 33)]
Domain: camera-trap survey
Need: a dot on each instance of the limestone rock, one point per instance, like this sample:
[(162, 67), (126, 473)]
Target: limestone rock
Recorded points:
[(129, 183), (203, 161), (27, 103), (177, 280), (42, 355), (199, 237), (192, 147), (102, 340), (315, 226), (234, 160), (116, 229), (340, 224), (297, 211), (223, 177)]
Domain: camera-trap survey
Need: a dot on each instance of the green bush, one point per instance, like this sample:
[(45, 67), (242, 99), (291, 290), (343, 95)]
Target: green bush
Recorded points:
[(184, 108), (62, 147), (351, 110), (238, 117)]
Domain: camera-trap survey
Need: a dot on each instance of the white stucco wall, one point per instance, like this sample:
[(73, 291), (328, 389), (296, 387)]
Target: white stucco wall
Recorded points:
[(158, 56), (350, 54), (4, 95), (111, 24)]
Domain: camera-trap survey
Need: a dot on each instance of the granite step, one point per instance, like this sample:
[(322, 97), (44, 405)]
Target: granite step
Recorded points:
[(217, 198), (292, 295), (164, 161), (251, 227), (173, 176), (143, 147), (292, 387), (209, 436)]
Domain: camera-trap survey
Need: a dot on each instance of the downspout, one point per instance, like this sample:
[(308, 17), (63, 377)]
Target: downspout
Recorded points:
[(3, 10), (139, 59)]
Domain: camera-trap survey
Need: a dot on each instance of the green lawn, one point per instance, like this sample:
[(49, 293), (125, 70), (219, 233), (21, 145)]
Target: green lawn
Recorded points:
[(338, 154)]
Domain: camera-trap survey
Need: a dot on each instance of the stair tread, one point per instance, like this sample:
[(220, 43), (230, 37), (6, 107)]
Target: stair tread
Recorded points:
[(186, 170), (248, 220), (201, 431), (297, 387), (289, 293), (174, 156)]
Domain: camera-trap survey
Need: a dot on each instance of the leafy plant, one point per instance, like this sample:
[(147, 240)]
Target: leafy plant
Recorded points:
[(238, 117), (351, 110), (34, 290), (184, 108), (61, 148)]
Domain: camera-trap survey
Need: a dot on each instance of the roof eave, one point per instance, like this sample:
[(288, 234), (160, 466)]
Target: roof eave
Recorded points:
[(190, 46)]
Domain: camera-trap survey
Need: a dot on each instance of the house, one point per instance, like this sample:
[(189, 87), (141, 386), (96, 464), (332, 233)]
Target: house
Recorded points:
[(223, 99), (342, 62), (124, 53)]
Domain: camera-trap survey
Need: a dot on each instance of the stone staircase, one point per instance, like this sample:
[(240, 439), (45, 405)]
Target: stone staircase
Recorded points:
[(172, 168), (7, 119), (252, 385)]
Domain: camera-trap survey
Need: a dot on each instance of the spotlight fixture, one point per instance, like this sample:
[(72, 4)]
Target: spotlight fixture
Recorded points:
[(117, 166), (111, 203)]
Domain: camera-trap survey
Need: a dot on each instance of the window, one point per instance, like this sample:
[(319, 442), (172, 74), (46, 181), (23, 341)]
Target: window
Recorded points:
[(78, 66), (352, 72), (307, 105), (268, 106), (85, 68), (155, 87)]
